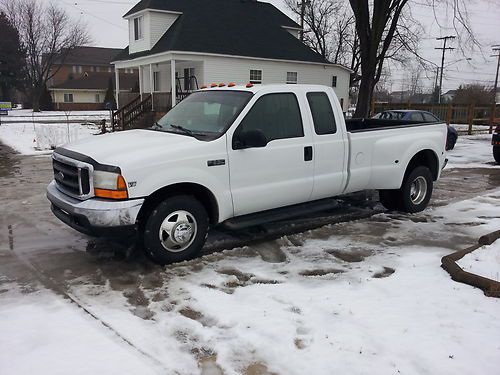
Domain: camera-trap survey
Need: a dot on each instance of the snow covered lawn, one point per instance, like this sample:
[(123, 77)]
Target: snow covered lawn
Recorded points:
[(484, 261), (29, 139)]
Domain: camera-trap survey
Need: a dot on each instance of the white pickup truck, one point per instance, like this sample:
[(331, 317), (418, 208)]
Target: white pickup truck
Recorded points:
[(235, 155)]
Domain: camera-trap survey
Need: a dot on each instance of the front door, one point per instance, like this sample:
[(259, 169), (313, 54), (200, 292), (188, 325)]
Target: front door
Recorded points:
[(188, 80), (279, 174)]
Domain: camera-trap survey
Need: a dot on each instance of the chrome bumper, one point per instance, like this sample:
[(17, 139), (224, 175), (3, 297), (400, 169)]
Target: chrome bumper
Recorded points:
[(93, 216)]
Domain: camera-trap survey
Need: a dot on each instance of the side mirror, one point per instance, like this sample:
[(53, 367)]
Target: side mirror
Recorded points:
[(249, 139)]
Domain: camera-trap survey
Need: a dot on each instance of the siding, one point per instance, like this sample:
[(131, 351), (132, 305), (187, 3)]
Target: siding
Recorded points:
[(228, 69), (159, 24), (154, 26), (142, 44)]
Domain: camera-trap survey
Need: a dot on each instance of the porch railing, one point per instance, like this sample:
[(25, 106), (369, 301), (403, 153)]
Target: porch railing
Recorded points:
[(131, 115)]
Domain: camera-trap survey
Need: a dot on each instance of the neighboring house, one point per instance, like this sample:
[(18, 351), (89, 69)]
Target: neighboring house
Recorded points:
[(180, 45), (88, 92), (81, 78), (448, 96)]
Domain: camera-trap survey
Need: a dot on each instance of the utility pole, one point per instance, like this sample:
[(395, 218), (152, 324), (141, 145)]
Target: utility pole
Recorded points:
[(444, 49), (496, 49)]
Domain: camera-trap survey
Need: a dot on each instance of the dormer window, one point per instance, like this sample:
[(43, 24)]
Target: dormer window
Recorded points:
[(138, 34)]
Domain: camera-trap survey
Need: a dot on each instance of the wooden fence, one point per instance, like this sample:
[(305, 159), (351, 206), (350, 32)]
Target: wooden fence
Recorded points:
[(451, 113)]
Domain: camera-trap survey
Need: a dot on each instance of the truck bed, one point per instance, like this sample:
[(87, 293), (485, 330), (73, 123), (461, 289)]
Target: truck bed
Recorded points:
[(357, 125)]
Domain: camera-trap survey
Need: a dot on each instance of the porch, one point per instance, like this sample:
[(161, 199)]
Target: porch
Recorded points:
[(162, 85)]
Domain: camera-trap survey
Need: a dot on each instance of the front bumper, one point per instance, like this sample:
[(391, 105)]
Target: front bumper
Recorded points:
[(95, 217)]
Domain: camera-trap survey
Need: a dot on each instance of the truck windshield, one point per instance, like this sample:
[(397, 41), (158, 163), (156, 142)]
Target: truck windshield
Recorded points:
[(204, 113)]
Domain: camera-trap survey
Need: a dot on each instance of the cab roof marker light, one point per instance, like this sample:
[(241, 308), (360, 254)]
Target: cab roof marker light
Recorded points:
[(249, 85), (203, 87), (213, 85), (222, 84), (231, 84)]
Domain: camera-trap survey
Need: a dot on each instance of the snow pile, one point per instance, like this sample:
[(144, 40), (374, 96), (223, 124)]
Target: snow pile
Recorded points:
[(484, 261)]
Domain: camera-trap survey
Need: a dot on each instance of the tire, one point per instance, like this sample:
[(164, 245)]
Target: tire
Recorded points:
[(175, 230), (496, 153), (390, 199), (416, 190)]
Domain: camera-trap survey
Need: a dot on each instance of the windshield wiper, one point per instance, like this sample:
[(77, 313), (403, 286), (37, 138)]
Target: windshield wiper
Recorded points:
[(186, 130), (157, 126)]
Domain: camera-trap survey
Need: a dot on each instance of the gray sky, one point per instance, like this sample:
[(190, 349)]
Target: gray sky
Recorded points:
[(108, 29)]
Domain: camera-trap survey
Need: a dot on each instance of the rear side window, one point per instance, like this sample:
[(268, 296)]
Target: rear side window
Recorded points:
[(322, 112), (430, 118), (416, 116), (276, 115)]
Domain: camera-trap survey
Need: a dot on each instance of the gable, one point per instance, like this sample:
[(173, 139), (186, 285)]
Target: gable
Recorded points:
[(228, 27)]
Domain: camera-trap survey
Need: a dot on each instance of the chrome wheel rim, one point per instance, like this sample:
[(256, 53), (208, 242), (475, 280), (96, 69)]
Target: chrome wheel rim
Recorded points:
[(418, 190), (178, 231)]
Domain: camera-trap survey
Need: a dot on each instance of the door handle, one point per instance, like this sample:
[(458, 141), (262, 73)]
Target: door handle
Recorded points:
[(308, 153)]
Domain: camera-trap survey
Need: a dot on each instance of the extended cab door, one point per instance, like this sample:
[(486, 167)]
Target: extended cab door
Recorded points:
[(281, 172), (330, 144)]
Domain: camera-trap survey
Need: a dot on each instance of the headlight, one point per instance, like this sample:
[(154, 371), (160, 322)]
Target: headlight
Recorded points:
[(110, 185)]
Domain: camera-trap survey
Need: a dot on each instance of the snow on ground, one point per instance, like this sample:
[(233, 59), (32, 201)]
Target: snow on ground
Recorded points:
[(363, 297), (472, 151), (484, 261), (44, 334), (33, 139)]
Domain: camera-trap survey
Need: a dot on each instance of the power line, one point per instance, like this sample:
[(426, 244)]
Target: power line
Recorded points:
[(93, 15)]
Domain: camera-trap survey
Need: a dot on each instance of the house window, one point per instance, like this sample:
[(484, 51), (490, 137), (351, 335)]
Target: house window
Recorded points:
[(68, 98), (77, 69), (92, 68), (291, 77), (97, 69), (156, 81), (255, 76), (138, 28), (110, 70), (334, 81), (97, 98)]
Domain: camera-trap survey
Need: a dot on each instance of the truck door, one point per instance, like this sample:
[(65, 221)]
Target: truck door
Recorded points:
[(330, 164), (281, 172)]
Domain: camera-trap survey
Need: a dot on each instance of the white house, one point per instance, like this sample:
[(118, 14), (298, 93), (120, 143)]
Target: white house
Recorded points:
[(180, 45)]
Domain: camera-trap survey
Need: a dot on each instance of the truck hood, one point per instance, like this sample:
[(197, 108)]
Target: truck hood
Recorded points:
[(131, 146)]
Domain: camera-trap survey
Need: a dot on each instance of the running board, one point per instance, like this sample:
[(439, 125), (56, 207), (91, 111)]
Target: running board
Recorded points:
[(279, 214)]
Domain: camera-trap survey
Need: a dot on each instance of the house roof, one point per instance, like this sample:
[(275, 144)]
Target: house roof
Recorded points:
[(95, 56), (98, 81), (227, 27)]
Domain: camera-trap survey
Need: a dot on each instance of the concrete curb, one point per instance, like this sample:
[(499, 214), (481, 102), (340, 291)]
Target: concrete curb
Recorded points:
[(491, 288)]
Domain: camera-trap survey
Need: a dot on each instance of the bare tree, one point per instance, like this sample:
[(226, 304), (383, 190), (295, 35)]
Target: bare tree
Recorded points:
[(319, 18), (384, 31), (47, 33)]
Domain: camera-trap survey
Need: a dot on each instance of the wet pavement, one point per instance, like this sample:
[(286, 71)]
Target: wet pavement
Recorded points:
[(36, 248)]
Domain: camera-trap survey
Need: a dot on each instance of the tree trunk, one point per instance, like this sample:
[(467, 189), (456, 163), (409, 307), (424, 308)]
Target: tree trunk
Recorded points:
[(37, 93), (365, 94)]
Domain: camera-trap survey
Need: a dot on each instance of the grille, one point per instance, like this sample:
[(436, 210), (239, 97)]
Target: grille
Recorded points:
[(71, 179)]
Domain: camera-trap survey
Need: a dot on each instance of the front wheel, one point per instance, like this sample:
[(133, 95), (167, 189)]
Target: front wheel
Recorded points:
[(416, 190), (176, 230)]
